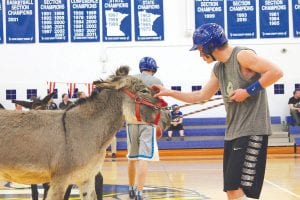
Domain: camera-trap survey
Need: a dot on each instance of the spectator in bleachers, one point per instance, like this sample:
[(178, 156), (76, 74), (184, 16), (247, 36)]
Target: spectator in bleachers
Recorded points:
[(65, 101), (18, 107), (242, 77), (294, 105), (51, 105), (176, 124), (81, 95)]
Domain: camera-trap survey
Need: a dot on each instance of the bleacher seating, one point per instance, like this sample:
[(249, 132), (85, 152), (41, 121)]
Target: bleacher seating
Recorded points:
[(201, 133), (294, 131), (289, 120)]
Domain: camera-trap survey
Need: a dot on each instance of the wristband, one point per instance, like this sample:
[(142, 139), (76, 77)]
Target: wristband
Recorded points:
[(254, 88)]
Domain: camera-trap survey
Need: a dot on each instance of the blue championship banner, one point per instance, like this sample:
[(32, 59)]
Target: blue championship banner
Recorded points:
[(116, 20), (274, 20), (148, 17), (241, 19), (209, 12), (85, 24), (20, 23), (296, 17), (53, 21), (1, 23)]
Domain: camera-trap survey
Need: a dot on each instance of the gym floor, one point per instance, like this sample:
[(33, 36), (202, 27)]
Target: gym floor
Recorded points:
[(186, 177)]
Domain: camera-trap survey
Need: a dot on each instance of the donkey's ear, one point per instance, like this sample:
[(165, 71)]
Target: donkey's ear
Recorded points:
[(25, 104), (117, 81), (115, 84), (47, 98), (123, 70)]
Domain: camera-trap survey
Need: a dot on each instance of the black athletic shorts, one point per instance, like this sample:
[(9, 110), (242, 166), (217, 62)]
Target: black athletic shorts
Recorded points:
[(244, 164), (176, 128)]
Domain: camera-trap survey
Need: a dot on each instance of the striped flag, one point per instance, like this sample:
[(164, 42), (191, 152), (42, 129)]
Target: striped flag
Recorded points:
[(72, 87), (90, 87), (51, 86)]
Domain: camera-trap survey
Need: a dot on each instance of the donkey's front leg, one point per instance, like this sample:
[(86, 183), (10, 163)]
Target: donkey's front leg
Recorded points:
[(87, 189), (57, 190)]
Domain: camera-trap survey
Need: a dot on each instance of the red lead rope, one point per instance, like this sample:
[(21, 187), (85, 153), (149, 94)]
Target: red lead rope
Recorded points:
[(139, 101)]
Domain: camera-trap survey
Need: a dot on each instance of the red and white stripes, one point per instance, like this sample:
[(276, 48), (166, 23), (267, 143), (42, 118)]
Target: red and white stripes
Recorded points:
[(71, 87)]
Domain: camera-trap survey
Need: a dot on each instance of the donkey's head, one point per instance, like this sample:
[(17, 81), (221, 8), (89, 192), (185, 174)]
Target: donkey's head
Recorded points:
[(138, 103), (36, 103)]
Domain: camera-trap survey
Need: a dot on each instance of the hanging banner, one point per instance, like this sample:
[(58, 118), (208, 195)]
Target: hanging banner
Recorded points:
[(116, 22), (148, 18), (90, 88), (209, 12), (296, 17), (53, 21), (85, 25), (72, 88), (20, 23), (1, 23), (241, 19), (274, 19), (51, 86)]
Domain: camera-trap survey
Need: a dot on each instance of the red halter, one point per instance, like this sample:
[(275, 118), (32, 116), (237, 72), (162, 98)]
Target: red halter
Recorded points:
[(138, 101)]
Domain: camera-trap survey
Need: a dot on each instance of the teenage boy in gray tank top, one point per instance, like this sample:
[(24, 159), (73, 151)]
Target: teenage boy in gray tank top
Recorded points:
[(141, 138), (242, 77)]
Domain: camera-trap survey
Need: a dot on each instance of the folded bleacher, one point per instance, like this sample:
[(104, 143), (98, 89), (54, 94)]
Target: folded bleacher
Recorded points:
[(206, 133)]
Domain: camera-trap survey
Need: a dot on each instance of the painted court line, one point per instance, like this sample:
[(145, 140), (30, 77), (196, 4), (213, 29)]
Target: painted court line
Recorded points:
[(283, 189)]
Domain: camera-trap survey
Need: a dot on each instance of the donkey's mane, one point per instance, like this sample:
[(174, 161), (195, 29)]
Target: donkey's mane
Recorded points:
[(84, 100), (120, 73)]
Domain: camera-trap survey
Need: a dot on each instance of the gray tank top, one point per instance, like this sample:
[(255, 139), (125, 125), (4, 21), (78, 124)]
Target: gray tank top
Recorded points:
[(250, 117), (148, 79)]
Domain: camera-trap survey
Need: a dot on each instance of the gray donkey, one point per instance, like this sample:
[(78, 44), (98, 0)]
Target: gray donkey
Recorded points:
[(67, 147)]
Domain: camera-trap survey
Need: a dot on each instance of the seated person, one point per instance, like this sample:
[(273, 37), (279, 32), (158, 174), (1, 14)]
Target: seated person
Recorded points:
[(176, 123), (51, 105), (81, 95), (18, 107), (65, 101), (294, 105)]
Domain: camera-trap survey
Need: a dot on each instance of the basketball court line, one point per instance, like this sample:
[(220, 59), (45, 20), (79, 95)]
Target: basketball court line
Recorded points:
[(282, 189)]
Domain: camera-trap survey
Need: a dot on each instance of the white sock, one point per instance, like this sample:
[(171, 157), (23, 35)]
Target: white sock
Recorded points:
[(131, 187), (139, 193)]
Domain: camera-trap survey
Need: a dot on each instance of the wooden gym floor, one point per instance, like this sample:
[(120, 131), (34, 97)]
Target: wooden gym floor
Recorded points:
[(191, 175)]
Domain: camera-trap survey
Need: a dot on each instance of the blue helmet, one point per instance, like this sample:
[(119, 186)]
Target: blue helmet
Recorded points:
[(148, 64), (174, 106), (209, 36)]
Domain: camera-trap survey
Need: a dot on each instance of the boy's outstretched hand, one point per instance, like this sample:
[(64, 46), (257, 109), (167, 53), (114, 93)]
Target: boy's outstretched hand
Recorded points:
[(160, 90)]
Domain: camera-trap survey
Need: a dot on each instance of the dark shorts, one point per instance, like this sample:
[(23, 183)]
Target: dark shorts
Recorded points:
[(176, 128), (244, 164)]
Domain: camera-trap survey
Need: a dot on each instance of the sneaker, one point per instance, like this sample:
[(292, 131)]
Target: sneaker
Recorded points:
[(132, 194), (169, 139), (182, 138)]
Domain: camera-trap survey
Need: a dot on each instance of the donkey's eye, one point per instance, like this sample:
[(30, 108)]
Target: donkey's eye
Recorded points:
[(145, 91)]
